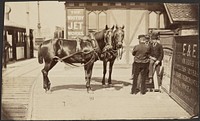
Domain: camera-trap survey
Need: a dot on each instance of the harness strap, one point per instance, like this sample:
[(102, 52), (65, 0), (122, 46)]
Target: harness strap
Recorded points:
[(78, 46), (91, 59), (65, 57), (93, 40)]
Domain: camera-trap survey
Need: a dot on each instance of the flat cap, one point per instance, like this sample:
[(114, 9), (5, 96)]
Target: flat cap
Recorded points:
[(141, 36), (147, 36), (154, 36)]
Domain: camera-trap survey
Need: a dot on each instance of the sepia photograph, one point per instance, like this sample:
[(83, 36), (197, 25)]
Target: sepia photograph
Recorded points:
[(99, 60)]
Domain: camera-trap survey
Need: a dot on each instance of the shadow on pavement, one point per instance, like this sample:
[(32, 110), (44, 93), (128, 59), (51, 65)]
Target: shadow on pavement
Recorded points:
[(114, 82), (117, 85)]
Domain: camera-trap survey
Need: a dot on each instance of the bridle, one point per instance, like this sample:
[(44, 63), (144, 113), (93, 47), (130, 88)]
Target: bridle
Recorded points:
[(118, 38), (108, 35)]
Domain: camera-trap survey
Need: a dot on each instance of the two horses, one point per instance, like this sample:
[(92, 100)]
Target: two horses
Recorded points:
[(86, 49)]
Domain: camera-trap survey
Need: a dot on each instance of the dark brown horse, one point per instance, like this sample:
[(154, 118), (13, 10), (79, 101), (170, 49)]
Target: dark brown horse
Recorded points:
[(85, 50), (112, 54)]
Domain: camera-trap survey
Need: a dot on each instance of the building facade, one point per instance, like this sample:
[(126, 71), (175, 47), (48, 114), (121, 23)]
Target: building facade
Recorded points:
[(138, 18)]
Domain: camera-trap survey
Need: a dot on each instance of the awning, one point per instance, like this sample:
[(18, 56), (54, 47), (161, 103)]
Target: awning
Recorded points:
[(13, 24)]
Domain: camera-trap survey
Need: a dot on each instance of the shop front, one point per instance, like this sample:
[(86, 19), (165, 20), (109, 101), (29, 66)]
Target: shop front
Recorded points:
[(15, 36)]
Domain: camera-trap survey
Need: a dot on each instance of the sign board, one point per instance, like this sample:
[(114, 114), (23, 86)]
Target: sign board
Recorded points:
[(75, 23), (184, 86), (167, 65)]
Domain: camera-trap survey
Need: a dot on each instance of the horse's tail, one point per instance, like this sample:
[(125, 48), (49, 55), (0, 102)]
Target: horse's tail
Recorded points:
[(40, 57)]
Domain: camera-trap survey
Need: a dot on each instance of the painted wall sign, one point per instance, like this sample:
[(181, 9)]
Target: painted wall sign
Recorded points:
[(184, 87), (75, 23)]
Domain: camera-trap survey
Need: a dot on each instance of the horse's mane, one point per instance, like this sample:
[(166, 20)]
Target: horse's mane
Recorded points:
[(99, 35)]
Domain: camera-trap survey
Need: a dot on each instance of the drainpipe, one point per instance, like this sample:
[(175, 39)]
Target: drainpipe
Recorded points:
[(27, 31)]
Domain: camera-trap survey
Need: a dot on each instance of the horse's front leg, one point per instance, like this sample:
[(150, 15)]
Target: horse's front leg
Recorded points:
[(110, 72), (104, 72), (88, 74), (46, 82)]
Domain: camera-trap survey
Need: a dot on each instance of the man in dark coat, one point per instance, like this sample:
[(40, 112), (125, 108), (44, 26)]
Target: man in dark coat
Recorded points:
[(156, 57), (141, 64), (6, 46)]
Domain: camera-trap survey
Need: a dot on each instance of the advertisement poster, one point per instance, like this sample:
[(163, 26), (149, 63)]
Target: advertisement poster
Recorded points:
[(75, 23)]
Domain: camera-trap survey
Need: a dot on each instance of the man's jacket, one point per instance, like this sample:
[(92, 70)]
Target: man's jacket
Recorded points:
[(157, 52), (141, 53)]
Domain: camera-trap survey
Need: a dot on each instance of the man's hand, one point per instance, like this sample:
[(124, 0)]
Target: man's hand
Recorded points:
[(157, 62), (153, 58)]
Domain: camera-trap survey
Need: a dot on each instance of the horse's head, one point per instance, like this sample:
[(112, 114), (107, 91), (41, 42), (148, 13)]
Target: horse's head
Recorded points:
[(118, 37), (108, 36)]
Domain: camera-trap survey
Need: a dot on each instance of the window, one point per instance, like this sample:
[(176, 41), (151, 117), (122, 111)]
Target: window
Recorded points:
[(152, 20), (20, 36), (92, 21), (97, 20), (102, 20)]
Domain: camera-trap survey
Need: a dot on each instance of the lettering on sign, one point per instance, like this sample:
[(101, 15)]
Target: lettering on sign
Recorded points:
[(75, 23), (75, 18), (75, 33), (183, 95), (190, 50), (186, 79), (180, 67)]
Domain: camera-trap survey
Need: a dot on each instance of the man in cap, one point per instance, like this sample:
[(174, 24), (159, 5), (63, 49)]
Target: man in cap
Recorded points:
[(156, 57), (140, 65)]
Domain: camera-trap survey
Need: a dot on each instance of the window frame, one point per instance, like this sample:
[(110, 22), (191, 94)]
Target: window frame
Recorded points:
[(97, 13)]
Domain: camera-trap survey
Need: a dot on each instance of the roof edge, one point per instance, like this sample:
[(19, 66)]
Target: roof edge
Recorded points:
[(168, 13)]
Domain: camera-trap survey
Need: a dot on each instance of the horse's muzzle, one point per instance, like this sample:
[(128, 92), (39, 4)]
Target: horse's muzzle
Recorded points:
[(119, 45)]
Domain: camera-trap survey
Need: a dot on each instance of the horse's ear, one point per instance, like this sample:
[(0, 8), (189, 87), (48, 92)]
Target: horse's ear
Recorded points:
[(106, 27), (117, 26), (113, 27), (123, 27)]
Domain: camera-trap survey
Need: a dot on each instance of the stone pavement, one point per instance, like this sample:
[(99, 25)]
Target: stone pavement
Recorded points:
[(17, 81), (69, 99)]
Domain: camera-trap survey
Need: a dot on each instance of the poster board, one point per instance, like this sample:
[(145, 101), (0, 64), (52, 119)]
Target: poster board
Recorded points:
[(75, 22)]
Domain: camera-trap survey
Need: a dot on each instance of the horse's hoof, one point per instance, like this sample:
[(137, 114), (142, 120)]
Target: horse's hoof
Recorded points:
[(49, 84), (110, 85), (103, 85), (48, 91), (89, 89), (49, 88), (90, 92)]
